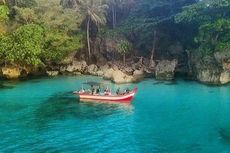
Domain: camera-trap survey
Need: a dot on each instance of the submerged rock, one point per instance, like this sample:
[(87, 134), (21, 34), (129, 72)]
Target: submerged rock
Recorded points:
[(165, 70)]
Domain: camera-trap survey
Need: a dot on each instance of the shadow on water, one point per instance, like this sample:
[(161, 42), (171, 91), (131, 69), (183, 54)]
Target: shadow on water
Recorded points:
[(6, 86), (173, 82), (62, 106), (225, 134)]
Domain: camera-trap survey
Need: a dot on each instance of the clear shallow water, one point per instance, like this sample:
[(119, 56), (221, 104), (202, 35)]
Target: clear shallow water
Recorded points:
[(42, 115)]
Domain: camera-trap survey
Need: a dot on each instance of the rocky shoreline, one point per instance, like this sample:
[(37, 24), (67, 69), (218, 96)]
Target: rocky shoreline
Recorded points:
[(209, 70)]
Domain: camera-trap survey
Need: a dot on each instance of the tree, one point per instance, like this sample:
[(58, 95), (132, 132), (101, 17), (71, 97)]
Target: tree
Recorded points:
[(150, 25), (93, 13), (212, 20), (24, 46), (54, 16), (57, 45), (124, 47), (25, 15)]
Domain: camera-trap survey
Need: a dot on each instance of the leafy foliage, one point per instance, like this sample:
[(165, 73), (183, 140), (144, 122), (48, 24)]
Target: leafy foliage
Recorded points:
[(214, 37), (4, 12), (25, 15), (34, 45), (23, 46), (59, 44), (124, 47), (213, 19)]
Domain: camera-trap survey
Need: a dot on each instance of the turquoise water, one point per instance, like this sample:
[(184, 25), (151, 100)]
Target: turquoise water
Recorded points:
[(42, 115)]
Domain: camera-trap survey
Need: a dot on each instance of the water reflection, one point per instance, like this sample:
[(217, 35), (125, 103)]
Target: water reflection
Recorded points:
[(5, 86), (63, 106)]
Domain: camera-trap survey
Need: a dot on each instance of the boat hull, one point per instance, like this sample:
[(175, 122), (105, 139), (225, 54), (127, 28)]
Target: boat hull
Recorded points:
[(127, 98)]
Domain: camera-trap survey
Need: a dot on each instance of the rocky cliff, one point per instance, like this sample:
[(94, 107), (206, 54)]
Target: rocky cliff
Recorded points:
[(212, 69)]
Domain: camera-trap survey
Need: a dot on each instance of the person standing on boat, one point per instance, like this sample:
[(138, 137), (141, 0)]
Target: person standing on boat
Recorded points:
[(92, 90), (127, 90), (118, 91)]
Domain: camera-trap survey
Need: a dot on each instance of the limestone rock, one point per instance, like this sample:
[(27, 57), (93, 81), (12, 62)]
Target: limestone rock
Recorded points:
[(209, 76), (104, 68), (128, 70), (225, 77), (165, 69), (92, 69), (120, 77), (100, 73), (108, 74), (52, 73), (77, 66), (138, 72), (11, 72), (226, 66)]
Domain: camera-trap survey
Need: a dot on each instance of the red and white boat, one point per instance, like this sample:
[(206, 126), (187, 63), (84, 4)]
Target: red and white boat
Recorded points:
[(124, 98)]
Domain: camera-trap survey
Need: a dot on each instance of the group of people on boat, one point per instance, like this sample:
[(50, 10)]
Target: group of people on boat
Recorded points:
[(106, 92)]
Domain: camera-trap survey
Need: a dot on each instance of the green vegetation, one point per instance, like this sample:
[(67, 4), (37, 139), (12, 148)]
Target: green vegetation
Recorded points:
[(212, 19), (124, 47), (40, 32)]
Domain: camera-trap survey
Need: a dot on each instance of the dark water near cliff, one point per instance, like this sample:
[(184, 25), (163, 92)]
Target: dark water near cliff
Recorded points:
[(42, 115)]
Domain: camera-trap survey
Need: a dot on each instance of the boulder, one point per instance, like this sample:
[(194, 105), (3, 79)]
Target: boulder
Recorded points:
[(108, 74), (225, 77), (52, 73), (104, 68), (226, 66), (92, 69), (77, 73), (209, 76), (77, 66), (213, 70), (120, 77), (100, 73), (138, 73), (128, 70), (165, 70), (11, 72)]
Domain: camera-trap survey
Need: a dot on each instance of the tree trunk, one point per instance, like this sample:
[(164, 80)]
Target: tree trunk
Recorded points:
[(115, 17), (154, 45), (189, 64), (113, 14), (124, 59), (88, 38)]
